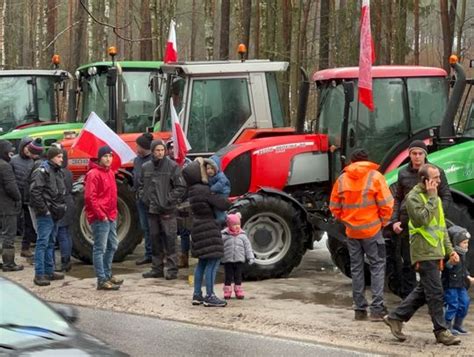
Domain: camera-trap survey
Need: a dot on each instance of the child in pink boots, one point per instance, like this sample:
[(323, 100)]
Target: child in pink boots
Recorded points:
[(237, 250)]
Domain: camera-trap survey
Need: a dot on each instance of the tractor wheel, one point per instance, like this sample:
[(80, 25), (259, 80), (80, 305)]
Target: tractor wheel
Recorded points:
[(275, 230), (129, 233)]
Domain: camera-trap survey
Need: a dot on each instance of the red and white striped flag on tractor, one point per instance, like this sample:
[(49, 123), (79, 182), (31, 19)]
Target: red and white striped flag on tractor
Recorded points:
[(171, 52), (96, 134), (366, 58), (180, 142)]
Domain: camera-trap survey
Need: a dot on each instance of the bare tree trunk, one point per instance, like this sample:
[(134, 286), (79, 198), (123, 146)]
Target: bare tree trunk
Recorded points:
[(378, 30), (306, 7), (193, 31), (70, 35), (145, 31), (3, 6), (388, 33), (209, 9), (462, 20), (80, 41), (447, 26), (400, 34), (224, 36), (257, 30), (295, 57), (416, 13), (51, 19), (324, 35), (246, 16), (270, 33)]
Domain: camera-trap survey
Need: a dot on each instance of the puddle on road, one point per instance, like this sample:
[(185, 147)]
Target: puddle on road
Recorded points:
[(316, 298)]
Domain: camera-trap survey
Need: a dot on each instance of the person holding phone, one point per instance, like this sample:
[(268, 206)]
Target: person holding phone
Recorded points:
[(429, 246), (407, 179)]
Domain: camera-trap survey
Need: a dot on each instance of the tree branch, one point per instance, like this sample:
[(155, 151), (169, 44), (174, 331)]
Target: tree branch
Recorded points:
[(59, 34)]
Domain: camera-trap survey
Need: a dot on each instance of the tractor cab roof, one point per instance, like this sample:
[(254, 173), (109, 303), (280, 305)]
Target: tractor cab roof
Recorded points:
[(224, 67), (35, 72), (145, 65), (379, 72)]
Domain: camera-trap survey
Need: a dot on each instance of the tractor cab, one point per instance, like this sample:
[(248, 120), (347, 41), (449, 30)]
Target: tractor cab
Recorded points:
[(410, 102), (222, 102), (31, 98)]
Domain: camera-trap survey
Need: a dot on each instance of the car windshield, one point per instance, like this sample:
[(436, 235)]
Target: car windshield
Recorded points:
[(25, 100), (18, 307)]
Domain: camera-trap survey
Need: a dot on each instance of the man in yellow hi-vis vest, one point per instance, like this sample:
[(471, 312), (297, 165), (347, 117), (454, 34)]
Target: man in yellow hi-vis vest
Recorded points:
[(429, 245)]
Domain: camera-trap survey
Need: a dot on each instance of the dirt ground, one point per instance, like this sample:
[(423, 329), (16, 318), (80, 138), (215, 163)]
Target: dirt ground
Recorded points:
[(312, 304)]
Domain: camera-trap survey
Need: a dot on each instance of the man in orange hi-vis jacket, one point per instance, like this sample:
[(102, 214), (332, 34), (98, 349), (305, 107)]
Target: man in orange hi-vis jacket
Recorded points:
[(362, 201)]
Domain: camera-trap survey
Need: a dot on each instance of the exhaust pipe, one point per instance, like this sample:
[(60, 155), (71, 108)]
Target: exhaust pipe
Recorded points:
[(302, 102)]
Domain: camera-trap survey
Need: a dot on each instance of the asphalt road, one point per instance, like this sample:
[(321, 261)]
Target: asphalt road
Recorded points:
[(146, 336)]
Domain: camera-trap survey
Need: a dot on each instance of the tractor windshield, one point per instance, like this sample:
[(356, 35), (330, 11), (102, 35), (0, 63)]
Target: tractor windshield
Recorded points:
[(403, 107), (25, 100)]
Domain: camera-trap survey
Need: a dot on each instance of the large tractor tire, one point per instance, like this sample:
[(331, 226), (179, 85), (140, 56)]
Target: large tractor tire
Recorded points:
[(129, 233), (275, 230)]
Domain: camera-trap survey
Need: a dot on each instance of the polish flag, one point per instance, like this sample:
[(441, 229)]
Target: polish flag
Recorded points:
[(366, 58), (171, 52), (180, 143), (96, 134)]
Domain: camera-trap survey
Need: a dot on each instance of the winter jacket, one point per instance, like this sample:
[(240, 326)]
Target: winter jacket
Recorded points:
[(22, 166), (207, 239), (10, 197), (100, 194), (361, 199), (456, 276), (237, 249), (137, 169), (219, 183), (161, 186), (68, 218), (407, 179), (47, 190), (421, 214)]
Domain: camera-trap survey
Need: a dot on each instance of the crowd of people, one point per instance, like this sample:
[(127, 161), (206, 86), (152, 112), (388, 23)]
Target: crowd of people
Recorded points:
[(37, 201)]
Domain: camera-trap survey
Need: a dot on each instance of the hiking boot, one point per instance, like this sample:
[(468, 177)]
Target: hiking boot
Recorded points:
[(143, 261), (55, 276), (198, 299), (239, 292), (152, 275), (107, 285), (183, 260), (116, 281), (396, 327), (360, 315), (377, 316), (214, 301), (26, 253), (8, 257), (227, 292), (41, 280), (446, 338), (12, 267)]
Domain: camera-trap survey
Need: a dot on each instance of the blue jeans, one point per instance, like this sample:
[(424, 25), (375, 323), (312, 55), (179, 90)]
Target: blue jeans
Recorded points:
[(44, 251), (456, 302), (143, 217), (184, 235), (105, 245), (65, 242), (206, 268)]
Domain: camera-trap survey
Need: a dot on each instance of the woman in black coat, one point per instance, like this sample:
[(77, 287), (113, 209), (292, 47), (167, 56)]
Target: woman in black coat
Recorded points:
[(206, 236)]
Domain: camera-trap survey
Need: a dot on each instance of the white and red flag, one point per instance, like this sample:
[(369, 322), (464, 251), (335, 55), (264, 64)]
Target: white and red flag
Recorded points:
[(96, 134), (171, 52), (366, 58), (180, 142)]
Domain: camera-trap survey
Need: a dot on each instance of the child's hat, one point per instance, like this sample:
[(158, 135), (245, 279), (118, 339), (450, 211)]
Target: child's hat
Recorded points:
[(233, 218), (458, 234)]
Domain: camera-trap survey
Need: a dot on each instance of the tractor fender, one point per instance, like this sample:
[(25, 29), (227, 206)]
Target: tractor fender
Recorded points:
[(461, 197), (285, 196)]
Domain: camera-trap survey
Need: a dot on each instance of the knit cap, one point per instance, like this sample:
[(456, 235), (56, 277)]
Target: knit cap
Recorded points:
[(104, 150), (458, 234), (53, 151), (418, 144), (359, 155), (155, 143), (145, 140), (232, 219), (36, 147)]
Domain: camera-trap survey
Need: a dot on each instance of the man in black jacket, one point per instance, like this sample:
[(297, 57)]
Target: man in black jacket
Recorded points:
[(47, 199), (161, 187), (407, 179), (10, 205), (22, 163)]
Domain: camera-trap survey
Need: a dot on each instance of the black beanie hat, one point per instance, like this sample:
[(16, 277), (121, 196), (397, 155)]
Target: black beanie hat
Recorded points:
[(53, 151), (155, 143), (36, 147), (418, 144), (458, 234), (359, 155), (103, 151), (145, 140)]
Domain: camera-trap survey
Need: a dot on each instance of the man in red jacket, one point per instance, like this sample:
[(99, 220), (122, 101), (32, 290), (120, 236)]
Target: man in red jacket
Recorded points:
[(101, 210)]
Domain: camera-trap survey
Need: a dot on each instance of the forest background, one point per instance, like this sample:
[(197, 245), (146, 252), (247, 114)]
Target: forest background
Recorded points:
[(313, 34)]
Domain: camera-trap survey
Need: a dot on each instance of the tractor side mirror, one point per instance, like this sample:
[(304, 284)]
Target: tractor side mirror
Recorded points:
[(348, 91)]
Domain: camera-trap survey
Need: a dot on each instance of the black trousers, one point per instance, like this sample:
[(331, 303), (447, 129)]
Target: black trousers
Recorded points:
[(406, 270), (7, 232), (233, 273), (28, 231), (429, 290), (163, 230)]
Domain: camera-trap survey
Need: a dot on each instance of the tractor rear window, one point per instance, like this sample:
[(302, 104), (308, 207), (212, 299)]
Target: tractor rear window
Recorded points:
[(219, 109), (275, 104)]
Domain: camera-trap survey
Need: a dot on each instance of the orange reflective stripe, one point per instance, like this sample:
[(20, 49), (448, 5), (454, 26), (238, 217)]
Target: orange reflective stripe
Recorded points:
[(385, 201)]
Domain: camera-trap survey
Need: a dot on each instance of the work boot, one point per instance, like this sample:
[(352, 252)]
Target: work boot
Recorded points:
[(227, 292), (457, 326), (153, 274), (107, 285), (239, 292), (183, 260), (360, 315), (41, 280), (26, 253), (55, 276), (214, 301), (114, 280), (396, 327), (8, 257), (66, 266), (143, 261), (446, 338)]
